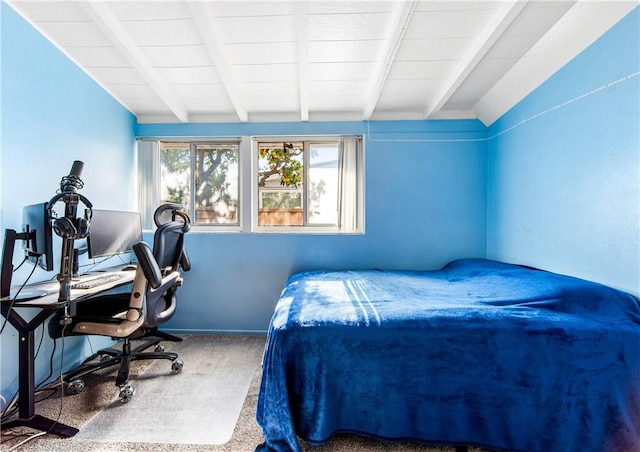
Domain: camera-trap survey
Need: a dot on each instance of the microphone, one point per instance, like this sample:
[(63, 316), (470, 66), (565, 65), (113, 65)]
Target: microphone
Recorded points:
[(72, 182)]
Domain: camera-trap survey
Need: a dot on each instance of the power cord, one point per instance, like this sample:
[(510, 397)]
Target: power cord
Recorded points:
[(60, 408), (22, 286), (10, 408)]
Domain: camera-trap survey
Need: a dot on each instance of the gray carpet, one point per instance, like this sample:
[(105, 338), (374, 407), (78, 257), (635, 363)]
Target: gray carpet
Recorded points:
[(200, 405)]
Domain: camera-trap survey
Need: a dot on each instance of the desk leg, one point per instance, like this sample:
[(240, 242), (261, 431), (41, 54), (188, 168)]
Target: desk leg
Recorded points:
[(26, 376)]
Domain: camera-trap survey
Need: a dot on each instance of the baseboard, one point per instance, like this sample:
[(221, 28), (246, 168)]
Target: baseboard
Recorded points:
[(215, 331)]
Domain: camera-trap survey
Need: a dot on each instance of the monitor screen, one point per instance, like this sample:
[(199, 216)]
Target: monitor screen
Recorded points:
[(39, 240), (113, 232)]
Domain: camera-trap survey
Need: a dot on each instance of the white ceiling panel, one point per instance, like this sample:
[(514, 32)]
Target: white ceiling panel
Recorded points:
[(276, 104), (351, 7), (165, 32), (117, 75), (343, 51), (286, 72), (178, 56), (269, 89), (208, 90), (148, 10), (189, 75), (98, 56), (448, 24), (298, 60), (337, 88), (417, 89), (421, 70), (48, 11), (145, 106), (261, 53), (214, 105), (246, 29), (75, 34), (328, 103), (432, 49), (479, 81), (341, 71), (255, 8), (348, 27), (133, 91)]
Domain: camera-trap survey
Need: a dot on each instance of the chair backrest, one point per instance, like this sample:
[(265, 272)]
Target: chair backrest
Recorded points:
[(161, 268), (168, 240)]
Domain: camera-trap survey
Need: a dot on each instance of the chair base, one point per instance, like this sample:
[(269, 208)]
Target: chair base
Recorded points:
[(110, 357)]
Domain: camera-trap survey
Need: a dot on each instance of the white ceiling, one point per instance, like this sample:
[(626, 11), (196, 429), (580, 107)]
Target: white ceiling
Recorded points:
[(231, 61)]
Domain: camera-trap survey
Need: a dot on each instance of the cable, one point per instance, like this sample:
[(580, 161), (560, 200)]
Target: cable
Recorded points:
[(94, 264), (57, 419), (20, 444), (53, 352), (15, 297), (508, 129)]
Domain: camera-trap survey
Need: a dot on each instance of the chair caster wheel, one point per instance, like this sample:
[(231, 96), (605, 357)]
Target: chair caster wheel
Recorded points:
[(159, 348), (176, 366), (75, 387), (127, 393)]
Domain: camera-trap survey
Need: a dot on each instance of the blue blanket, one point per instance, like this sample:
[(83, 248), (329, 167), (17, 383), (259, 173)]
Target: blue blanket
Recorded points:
[(478, 353)]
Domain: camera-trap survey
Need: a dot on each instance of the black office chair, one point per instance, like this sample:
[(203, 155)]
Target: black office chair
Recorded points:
[(137, 315)]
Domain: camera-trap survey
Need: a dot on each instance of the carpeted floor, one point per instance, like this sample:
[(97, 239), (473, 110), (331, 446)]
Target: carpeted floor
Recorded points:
[(101, 394)]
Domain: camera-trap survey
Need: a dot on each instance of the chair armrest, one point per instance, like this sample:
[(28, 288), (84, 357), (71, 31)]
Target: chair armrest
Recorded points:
[(148, 263)]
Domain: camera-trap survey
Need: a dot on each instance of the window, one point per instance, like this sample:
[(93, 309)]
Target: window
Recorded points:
[(202, 176), (298, 183), (209, 171), (292, 184)]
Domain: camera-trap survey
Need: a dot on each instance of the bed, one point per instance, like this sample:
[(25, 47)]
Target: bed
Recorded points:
[(477, 353)]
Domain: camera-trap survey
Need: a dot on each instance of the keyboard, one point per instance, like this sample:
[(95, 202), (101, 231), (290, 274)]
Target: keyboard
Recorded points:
[(97, 281)]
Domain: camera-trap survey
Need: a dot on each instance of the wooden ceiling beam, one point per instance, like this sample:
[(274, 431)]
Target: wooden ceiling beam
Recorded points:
[(487, 38), (302, 38), (399, 25), (202, 19), (99, 12)]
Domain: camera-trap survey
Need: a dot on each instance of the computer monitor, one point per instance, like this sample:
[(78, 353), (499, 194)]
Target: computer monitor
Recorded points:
[(113, 232), (39, 243)]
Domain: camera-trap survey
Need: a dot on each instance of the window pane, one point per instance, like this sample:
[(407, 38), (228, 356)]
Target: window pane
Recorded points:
[(322, 198), (280, 184), (216, 184), (175, 173)]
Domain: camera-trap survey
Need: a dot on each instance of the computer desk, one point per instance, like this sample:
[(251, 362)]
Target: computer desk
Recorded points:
[(47, 305)]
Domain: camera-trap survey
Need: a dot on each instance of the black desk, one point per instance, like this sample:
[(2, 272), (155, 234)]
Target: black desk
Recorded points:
[(26, 366)]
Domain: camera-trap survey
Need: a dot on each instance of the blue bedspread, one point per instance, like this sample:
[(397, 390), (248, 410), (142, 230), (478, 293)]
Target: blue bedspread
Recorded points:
[(480, 352)]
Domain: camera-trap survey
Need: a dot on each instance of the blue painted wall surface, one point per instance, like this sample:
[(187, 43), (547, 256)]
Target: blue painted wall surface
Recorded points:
[(53, 114), (564, 190), (425, 204)]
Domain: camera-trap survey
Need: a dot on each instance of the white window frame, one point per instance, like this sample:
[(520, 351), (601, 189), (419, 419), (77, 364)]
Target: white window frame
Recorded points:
[(149, 179), (149, 185), (358, 228)]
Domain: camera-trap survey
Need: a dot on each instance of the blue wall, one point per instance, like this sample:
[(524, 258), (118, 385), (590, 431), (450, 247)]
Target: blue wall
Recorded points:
[(564, 189), (53, 114), (425, 205)]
